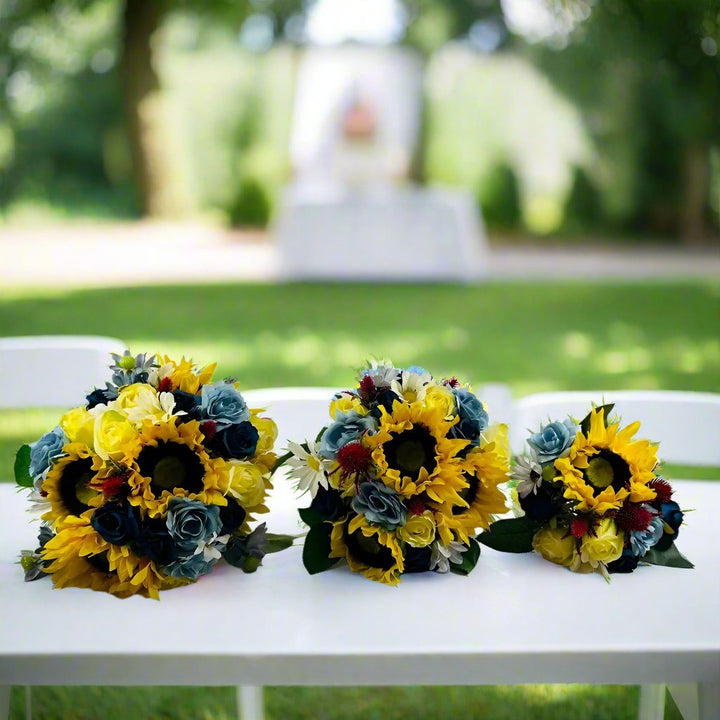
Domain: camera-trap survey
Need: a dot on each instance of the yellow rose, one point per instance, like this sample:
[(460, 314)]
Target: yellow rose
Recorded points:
[(246, 483), (441, 398), (267, 429), (497, 433), (419, 530), (346, 403), (141, 402), (114, 437), (555, 544), (603, 544), (78, 424)]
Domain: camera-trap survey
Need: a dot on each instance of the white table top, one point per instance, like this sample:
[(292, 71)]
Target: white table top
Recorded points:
[(515, 619)]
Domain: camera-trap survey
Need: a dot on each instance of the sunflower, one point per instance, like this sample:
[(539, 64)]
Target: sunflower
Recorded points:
[(369, 549), (484, 468), (413, 454), (173, 463), (68, 484), (606, 467), (79, 557), (184, 375)]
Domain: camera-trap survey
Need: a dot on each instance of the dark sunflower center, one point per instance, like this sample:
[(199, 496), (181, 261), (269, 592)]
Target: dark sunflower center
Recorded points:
[(99, 562), (468, 494), (606, 469), (171, 465), (74, 491), (368, 550), (411, 450)]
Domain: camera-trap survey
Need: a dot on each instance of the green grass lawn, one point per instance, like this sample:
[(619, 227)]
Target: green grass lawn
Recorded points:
[(537, 336)]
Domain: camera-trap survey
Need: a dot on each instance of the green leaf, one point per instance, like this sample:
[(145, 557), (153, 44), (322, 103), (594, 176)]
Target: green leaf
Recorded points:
[(276, 543), (318, 438), (585, 424), (671, 557), (281, 461), (317, 549), (469, 561), (22, 467), (310, 516), (512, 535)]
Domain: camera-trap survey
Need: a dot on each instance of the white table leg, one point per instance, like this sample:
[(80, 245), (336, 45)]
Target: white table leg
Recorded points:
[(652, 702), (250, 702), (686, 699), (5, 701), (709, 700)]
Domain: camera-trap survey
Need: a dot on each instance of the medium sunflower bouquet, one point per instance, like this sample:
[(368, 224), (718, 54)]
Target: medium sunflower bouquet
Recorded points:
[(591, 499), (150, 482), (402, 477)]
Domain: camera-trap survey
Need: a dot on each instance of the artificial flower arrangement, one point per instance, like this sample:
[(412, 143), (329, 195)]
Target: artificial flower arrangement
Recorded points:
[(402, 478), (150, 482), (591, 500)]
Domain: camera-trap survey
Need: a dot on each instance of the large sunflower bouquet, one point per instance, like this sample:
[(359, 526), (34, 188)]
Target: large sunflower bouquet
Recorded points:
[(403, 476), (591, 499), (150, 482)]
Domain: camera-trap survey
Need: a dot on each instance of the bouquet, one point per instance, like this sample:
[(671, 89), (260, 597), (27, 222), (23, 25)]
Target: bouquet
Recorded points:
[(150, 482), (591, 499), (402, 477)]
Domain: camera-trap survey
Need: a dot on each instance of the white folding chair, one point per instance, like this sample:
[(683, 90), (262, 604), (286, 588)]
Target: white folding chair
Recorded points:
[(686, 426), (53, 371)]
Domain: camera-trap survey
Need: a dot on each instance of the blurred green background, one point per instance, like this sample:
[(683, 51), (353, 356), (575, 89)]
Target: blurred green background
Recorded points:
[(593, 120)]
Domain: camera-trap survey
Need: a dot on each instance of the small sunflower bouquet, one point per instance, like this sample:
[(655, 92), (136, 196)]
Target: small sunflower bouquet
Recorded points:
[(150, 482), (591, 500), (402, 478)]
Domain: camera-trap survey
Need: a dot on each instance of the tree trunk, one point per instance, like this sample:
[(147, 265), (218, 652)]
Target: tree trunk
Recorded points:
[(155, 165), (694, 228)]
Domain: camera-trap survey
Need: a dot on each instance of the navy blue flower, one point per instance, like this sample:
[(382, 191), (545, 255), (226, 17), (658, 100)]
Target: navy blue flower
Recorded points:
[(328, 504), (380, 505), (417, 559), (553, 440), (232, 516), (472, 417), (223, 404), (626, 563), (347, 427), (188, 403), (101, 396), (238, 441), (45, 450), (384, 399), (116, 523), (155, 542), (673, 516), (539, 505)]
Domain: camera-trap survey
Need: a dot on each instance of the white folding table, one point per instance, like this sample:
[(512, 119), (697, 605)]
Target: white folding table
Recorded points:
[(516, 619)]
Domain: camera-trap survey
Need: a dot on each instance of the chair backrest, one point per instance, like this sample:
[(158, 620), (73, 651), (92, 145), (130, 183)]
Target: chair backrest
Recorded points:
[(53, 370), (686, 424)]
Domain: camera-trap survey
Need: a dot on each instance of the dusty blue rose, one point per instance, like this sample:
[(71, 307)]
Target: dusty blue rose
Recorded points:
[(347, 427), (641, 541), (191, 522), (190, 568), (380, 505), (472, 417), (553, 440), (223, 404), (45, 450)]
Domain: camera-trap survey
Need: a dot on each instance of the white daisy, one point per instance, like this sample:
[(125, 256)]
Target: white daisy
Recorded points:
[(411, 386), (307, 467), (529, 473), (443, 555)]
